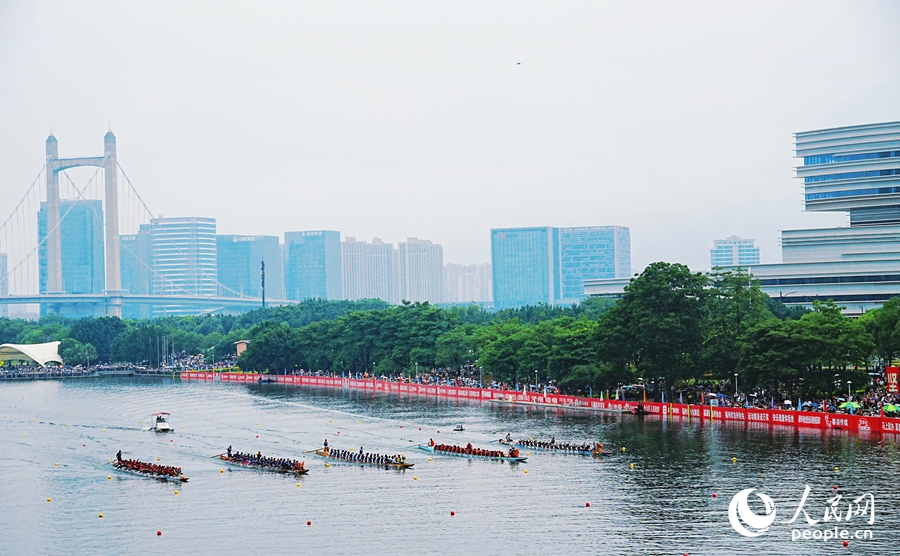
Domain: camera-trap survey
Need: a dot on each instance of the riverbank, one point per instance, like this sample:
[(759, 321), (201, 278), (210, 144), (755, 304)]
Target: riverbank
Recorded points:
[(705, 414)]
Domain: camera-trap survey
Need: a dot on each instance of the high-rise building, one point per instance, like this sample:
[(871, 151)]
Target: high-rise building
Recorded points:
[(550, 265), (368, 270), (183, 259), (588, 253), (421, 269), (733, 251), (312, 269), (136, 260), (525, 263), (354, 269), (82, 246), (466, 283), (240, 261), (381, 259)]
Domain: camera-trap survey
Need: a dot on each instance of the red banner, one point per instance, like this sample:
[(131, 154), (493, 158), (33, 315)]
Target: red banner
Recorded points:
[(893, 379)]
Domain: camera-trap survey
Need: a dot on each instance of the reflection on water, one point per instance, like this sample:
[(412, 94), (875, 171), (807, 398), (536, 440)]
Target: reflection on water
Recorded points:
[(663, 505)]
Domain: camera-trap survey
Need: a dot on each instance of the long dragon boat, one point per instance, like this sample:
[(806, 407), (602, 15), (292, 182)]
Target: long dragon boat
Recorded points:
[(474, 453), (333, 455), (595, 451), (151, 470), (237, 461)]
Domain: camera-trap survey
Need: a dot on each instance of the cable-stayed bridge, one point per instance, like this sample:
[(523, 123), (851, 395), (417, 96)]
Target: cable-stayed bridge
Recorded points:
[(33, 248)]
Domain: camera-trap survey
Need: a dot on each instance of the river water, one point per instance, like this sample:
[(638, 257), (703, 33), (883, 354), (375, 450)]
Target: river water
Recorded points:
[(664, 504)]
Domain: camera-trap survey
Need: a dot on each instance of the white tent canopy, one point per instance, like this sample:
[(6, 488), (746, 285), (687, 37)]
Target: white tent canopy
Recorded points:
[(39, 353)]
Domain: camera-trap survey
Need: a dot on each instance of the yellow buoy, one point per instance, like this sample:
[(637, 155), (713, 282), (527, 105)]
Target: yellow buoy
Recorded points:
[(357, 422), (526, 472), (109, 477), (632, 466), (298, 484), (221, 470), (836, 468), (101, 515), (429, 459), (55, 465), (415, 478), (182, 427), (176, 492), (48, 499), (329, 420), (733, 460), (527, 453), (157, 459), (623, 448), (327, 465)]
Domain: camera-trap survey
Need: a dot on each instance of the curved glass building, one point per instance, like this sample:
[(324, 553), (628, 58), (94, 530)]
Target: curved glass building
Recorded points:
[(854, 169)]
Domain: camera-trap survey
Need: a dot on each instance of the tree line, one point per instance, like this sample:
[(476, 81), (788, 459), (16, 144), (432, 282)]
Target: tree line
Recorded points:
[(671, 327)]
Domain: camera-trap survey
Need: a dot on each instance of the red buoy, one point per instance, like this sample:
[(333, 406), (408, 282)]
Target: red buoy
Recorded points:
[(420, 428), (159, 533), (257, 436), (846, 544), (84, 444), (587, 504), (714, 495), (309, 522), (835, 487), (452, 512), (401, 426)]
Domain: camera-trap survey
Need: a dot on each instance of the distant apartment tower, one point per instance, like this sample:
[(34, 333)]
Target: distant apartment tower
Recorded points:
[(421, 269), (135, 260), (183, 259), (312, 268), (733, 251), (82, 246), (368, 270), (549, 265), (240, 261), (465, 283)]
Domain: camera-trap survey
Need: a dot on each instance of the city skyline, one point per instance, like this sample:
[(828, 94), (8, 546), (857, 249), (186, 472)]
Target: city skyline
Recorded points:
[(334, 125)]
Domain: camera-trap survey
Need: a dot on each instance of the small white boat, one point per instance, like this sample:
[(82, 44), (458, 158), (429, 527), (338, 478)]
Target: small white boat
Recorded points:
[(458, 428), (160, 422)]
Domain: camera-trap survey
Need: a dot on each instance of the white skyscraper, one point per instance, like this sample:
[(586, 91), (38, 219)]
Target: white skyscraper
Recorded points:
[(421, 270), (467, 283), (355, 269), (369, 270)]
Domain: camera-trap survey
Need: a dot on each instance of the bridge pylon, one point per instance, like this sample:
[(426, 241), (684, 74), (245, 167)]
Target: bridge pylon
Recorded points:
[(54, 250)]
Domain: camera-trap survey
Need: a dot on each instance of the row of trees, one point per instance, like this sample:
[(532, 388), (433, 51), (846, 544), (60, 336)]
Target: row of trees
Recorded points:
[(672, 326)]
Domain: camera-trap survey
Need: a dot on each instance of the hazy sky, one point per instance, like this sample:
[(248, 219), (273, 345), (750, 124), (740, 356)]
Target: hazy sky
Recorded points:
[(444, 119)]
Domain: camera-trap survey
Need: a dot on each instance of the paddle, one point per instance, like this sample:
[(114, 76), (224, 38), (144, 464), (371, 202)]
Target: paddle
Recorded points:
[(217, 455), (311, 451)]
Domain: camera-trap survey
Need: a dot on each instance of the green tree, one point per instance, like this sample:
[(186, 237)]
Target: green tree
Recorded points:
[(100, 332), (658, 324), (735, 304)]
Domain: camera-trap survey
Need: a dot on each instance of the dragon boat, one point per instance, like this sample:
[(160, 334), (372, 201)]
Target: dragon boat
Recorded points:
[(474, 453), (161, 474), (297, 469), (595, 451), (332, 456)]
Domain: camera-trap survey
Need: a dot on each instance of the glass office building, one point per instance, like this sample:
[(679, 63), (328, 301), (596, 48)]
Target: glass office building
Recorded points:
[(550, 265), (135, 260), (183, 259), (239, 260), (82, 243), (313, 268), (733, 250)]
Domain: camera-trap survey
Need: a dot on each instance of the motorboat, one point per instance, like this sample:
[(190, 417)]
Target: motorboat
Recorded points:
[(159, 422)]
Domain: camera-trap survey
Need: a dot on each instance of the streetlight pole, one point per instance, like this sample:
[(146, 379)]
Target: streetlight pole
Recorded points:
[(535, 380), (735, 385), (849, 396)]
